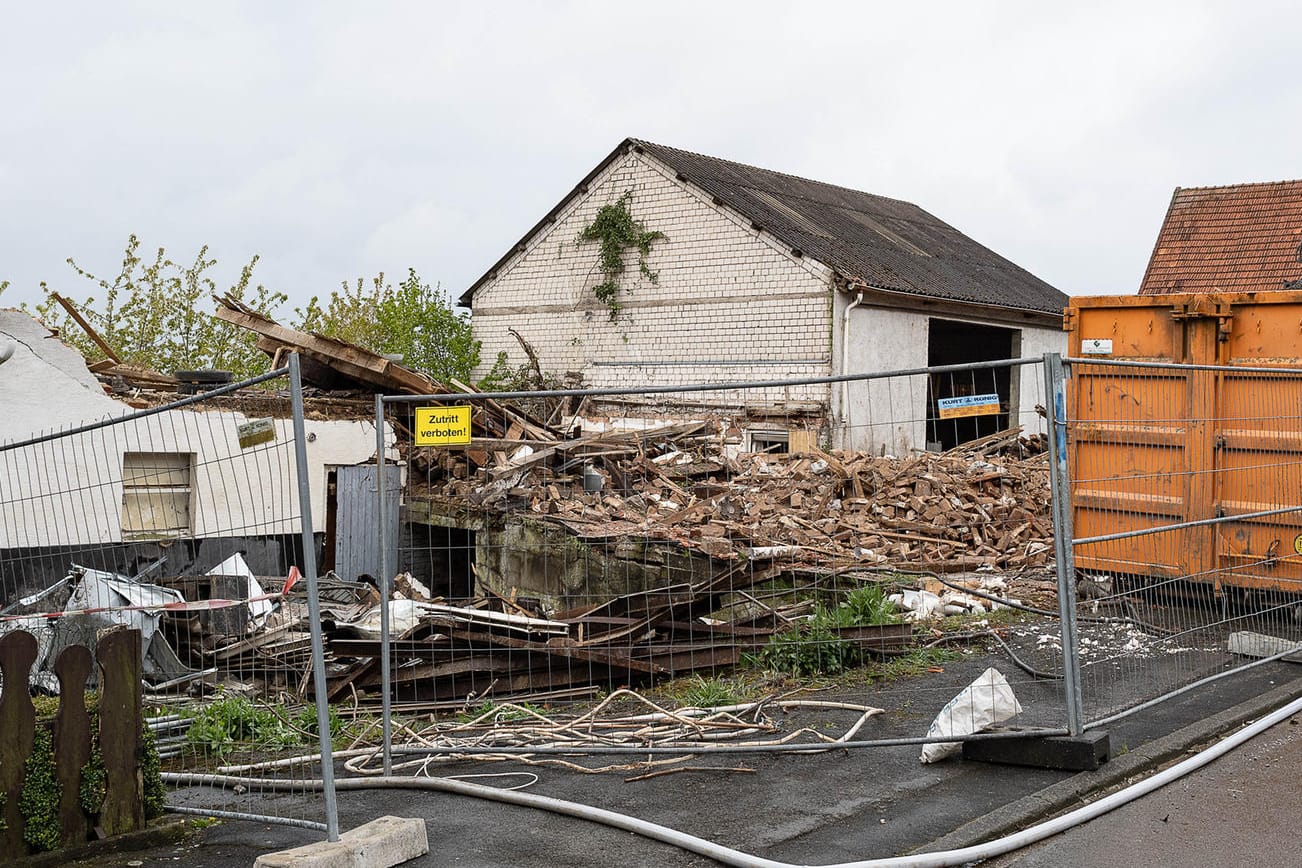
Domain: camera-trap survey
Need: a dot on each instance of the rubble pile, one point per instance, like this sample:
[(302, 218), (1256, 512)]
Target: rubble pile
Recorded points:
[(983, 504)]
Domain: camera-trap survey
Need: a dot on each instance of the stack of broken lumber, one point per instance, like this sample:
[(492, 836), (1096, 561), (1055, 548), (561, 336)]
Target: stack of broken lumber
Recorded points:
[(495, 646), (983, 504)]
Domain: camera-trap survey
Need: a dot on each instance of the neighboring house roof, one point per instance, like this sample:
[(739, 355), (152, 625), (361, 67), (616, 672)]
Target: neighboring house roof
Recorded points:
[(1237, 238), (867, 239)]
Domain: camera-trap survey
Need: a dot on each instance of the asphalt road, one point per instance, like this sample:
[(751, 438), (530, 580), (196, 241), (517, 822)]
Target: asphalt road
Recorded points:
[(812, 809), (1242, 809)]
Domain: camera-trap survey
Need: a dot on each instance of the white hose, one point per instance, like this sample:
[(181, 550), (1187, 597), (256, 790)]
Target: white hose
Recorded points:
[(728, 856)]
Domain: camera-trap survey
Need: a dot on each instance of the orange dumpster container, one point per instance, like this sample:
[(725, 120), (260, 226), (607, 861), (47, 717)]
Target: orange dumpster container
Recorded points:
[(1156, 446)]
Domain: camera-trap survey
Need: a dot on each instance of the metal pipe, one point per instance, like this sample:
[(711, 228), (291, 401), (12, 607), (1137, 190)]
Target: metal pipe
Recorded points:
[(1055, 402), (241, 815), (711, 387), (1176, 366), (729, 856), (386, 589), (313, 600), (1202, 522), (845, 358)]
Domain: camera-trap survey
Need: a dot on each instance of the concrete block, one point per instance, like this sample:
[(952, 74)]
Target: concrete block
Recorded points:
[(381, 843), (319, 854), (387, 841), (1251, 644), (1084, 753)]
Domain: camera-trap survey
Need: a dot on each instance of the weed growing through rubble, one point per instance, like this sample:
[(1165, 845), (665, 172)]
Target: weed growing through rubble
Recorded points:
[(914, 663), (305, 722), (812, 648), (710, 692), (866, 606), (219, 727)]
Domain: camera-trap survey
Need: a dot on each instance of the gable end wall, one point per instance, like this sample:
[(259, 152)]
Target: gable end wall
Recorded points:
[(730, 304)]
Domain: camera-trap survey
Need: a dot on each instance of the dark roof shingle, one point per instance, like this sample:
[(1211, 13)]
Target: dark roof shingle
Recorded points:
[(882, 242), (1237, 238)]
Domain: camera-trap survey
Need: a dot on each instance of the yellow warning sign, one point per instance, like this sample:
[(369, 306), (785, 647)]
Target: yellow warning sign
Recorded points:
[(1297, 543), (442, 426)]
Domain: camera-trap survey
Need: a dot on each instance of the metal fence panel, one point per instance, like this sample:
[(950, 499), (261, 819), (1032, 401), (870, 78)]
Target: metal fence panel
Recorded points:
[(190, 521), (715, 545), (1186, 487)]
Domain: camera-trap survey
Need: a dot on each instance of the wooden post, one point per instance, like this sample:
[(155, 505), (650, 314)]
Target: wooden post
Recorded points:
[(72, 741), (17, 731), (118, 655)]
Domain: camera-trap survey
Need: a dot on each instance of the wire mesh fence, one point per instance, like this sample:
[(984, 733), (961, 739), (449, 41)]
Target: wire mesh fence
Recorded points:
[(719, 551), (1188, 534), (185, 521)]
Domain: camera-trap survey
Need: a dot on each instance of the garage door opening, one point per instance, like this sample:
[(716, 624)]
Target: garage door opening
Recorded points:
[(965, 405)]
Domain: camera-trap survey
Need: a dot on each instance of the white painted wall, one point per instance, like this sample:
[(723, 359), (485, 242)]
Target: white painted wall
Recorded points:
[(68, 491), (889, 415), (41, 370), (730, 304)]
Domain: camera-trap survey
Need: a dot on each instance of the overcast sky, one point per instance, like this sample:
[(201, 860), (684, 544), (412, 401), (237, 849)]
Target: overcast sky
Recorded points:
[(341, 139)]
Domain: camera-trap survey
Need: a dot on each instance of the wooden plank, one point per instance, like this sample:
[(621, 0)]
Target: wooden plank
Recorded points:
[(86, 327), (72, 741), (119, 660), (18, 725), (356, 362)]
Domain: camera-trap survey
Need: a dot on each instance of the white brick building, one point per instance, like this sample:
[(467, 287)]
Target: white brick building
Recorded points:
[(761, 276)]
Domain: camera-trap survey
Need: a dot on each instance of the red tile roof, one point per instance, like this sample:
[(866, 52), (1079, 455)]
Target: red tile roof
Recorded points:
[(1240, 238)]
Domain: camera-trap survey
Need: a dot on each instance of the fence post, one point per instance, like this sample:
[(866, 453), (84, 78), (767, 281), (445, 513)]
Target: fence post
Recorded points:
[(386, 590), (1055, 404), (313, 602), (117, 654)]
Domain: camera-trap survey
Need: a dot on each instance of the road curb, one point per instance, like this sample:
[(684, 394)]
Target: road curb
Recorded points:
[(1074, 791)]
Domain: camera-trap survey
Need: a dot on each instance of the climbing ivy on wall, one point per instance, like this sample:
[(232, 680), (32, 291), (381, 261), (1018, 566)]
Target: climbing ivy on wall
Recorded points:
[(618, 233)]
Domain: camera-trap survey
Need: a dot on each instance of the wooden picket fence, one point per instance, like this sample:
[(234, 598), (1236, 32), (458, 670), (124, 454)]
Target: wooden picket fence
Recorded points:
[(120, 740)]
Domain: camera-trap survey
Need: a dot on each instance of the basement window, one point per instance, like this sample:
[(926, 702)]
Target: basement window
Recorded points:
[(156, 494), (774, 441)]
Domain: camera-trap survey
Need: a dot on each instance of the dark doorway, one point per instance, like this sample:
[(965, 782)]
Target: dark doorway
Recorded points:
[(441, 557), (957, 343)]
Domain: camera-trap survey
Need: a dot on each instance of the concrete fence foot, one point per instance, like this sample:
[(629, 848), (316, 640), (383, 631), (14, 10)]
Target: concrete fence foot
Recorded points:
[(381, 843)]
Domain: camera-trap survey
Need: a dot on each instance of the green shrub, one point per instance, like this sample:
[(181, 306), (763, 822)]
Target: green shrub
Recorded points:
[(867, 606), (220, 726)]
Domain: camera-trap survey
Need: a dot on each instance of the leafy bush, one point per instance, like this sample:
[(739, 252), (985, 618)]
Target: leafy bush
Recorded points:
[(414, 320), (305, 722), (815, 648), (220, 726)]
